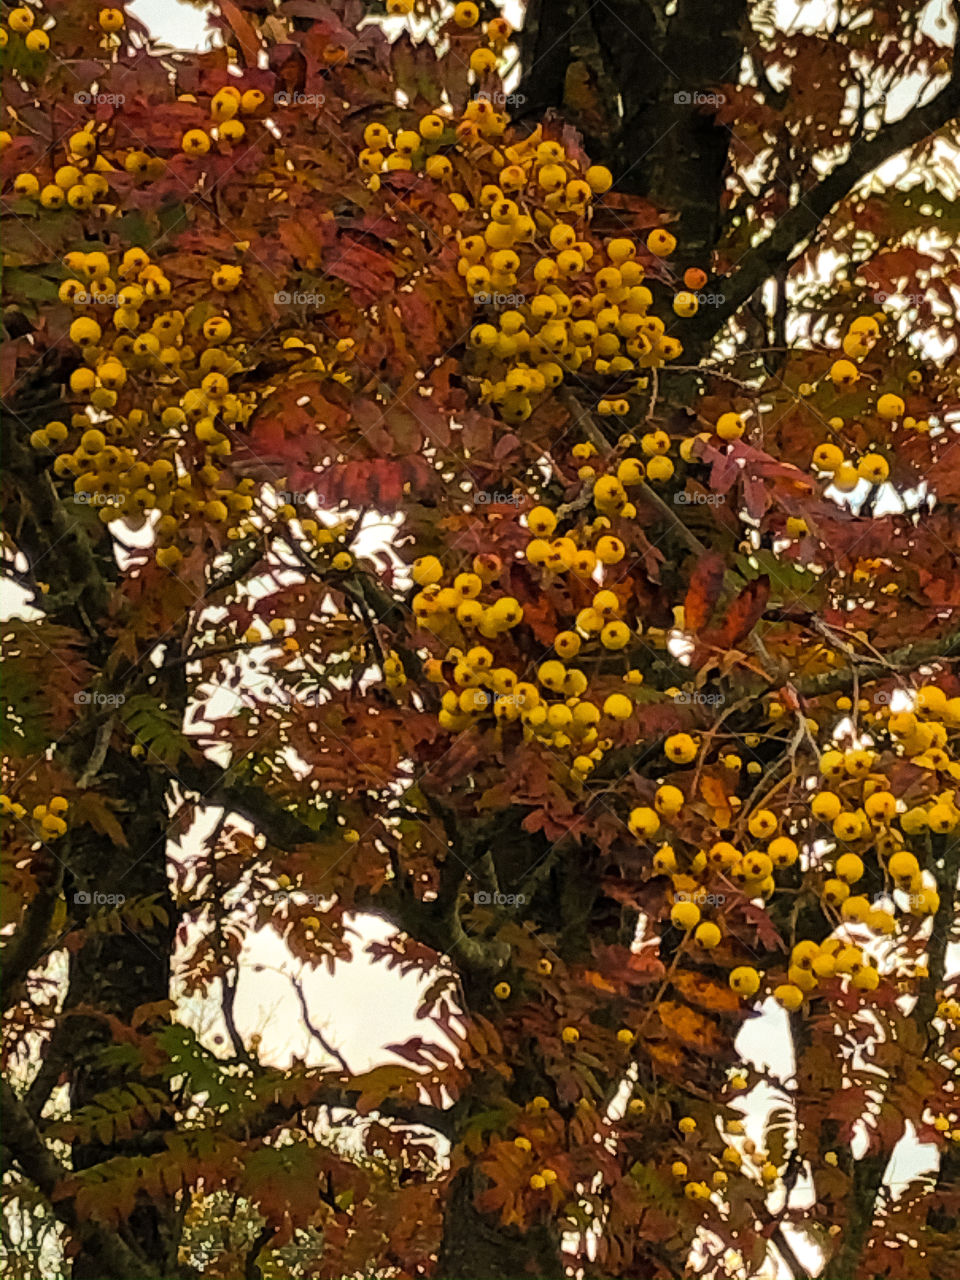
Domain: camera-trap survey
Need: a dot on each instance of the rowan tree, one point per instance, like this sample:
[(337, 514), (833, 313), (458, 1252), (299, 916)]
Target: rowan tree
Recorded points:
[(505, 484)]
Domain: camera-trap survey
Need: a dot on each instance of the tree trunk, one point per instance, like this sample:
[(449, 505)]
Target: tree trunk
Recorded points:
[(629, 77), (115, 973), (476, 1247)]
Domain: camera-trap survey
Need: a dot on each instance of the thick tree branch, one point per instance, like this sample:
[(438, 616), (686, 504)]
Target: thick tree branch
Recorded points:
[(38, 1164), (867, 1174), (220, 787), (80, 575), (799, 225), (907, 658), (344, 1098), (26, 946), (944, 921), (286, 831)]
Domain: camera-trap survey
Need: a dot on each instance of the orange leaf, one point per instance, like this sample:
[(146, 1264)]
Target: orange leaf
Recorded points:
[(689, 1026), (597, 980), (715, 794), (701, 990)]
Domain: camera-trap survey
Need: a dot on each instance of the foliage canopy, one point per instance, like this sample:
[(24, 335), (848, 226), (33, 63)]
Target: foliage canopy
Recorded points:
[(523, 515)]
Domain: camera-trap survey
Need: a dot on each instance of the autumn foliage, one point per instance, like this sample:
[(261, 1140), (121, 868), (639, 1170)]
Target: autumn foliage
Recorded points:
[(389, 540)]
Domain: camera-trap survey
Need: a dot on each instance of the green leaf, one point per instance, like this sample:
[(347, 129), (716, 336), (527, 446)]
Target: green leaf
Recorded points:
[(155, 727), (20, 282)]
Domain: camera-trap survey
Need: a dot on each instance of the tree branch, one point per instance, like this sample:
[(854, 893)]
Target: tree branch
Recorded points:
[(944, 920), (25, 947), (314, 1030), (40, 1166), (802, 220), (907, 658)]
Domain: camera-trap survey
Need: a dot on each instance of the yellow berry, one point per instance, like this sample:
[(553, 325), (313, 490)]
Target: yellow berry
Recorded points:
[(685, 915), (680, 748), (745, 980)]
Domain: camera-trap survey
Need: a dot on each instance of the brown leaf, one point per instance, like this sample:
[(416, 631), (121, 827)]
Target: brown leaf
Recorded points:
[(240, 26)]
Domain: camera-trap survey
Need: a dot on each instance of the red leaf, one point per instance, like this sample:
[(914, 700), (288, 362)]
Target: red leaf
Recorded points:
[(706, 583), (744, 613)]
